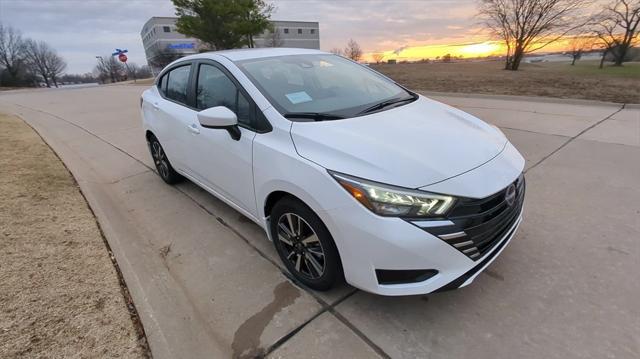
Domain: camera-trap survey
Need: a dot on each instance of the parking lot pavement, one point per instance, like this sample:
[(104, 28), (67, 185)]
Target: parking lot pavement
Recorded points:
[(207, 283)]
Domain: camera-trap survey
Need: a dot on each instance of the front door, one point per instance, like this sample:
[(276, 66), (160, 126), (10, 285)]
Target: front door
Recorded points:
[(215, 158)]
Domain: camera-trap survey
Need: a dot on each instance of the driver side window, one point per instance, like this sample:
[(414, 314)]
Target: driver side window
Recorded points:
[(214, 88)]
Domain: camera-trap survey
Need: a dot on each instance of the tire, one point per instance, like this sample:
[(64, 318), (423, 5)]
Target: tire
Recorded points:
[(163, 166), (305, 245)]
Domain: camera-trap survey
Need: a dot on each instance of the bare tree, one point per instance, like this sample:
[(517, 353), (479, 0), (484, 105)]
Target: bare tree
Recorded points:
[(378, 57), (109, 68), (36, 59), (353, 50), (164, 58), (273, 38), (617, 28), (144, 72), (55, 65), (135, 71), (578, 45), (336, 51), (529, 25), (11, 51)]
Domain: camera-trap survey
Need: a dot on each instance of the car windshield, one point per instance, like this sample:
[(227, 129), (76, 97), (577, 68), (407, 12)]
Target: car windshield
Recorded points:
[(322, 86)]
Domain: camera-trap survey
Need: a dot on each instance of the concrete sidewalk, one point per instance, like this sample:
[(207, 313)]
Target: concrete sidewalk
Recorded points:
[(207, 282)]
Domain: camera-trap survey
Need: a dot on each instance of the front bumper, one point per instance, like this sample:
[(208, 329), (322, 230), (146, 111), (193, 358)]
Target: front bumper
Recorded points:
[(368, 242)]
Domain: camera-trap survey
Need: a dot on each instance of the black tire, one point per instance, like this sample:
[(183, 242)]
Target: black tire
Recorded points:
[(163, 166), (299, 250)]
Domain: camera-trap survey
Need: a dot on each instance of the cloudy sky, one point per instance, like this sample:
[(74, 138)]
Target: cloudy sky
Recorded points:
[(81, 29)]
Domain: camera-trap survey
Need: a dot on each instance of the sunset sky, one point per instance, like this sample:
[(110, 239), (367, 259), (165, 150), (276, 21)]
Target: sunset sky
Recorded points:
[(402, 29)]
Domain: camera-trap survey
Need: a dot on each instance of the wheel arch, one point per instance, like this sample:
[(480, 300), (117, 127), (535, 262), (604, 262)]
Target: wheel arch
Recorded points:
[(272, 199), (148, 134), (278, 193)]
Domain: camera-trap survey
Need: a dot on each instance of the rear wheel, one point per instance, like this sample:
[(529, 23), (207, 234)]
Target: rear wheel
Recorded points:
[(304, 244), (160, 160)]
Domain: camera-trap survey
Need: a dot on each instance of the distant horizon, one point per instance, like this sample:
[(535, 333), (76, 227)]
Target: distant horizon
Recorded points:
[(402, 29), (484, 49)]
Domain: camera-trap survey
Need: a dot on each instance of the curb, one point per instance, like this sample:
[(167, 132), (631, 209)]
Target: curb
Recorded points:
[(571, 101)]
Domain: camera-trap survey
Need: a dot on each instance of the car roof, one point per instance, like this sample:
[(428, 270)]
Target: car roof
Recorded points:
[(255, 53)]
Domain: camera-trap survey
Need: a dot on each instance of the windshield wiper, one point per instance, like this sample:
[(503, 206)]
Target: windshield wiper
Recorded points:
[(317, 116), (387, 103)]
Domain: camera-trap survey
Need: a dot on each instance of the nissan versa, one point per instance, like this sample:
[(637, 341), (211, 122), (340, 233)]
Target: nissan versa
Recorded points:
[(350, 174)]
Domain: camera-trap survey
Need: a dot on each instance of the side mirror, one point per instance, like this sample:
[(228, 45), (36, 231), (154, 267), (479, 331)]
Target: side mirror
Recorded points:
[(220, 117)]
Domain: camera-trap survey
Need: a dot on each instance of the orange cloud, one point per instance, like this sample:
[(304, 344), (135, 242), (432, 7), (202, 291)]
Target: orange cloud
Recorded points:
[(464, 50)]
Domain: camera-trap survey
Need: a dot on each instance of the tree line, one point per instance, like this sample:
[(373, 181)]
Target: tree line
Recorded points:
[(525, 26), (110, 70), (27, 62)]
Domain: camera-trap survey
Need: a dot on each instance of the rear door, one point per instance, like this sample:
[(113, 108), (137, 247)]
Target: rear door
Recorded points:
[(173, 114)]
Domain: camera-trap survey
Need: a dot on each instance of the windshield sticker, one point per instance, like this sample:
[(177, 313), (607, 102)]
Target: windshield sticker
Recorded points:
[(298, 97)]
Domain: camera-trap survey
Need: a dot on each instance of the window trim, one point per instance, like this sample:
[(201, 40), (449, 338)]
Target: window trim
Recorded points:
[(166, 73), (192, 86), (256, 112)]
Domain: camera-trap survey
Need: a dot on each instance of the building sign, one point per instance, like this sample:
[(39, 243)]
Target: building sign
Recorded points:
[(181, 46)]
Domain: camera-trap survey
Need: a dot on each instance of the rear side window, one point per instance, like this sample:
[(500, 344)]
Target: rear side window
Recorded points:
[(177, 82), (162, 84)]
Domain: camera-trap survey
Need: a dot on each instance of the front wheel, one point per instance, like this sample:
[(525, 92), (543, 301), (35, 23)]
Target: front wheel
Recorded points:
[(305, 245), (163, 166)]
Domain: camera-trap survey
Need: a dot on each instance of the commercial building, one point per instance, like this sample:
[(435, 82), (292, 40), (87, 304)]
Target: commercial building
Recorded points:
[(163, 43), (298, 34)]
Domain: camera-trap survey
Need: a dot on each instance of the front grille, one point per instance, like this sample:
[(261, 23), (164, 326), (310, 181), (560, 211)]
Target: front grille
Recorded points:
[(475, 226)]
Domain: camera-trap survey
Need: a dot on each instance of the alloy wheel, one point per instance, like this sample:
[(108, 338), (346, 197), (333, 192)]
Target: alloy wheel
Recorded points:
[(160, 159), (301, 245)]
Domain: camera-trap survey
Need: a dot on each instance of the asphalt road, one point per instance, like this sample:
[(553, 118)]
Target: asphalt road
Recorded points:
[(207, 283)]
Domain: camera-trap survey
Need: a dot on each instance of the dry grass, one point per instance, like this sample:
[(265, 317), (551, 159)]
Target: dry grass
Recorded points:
[(583, 81), (59, 291)]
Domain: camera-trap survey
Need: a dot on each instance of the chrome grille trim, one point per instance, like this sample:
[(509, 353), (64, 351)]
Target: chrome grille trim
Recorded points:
[(452, 235), (429, 224), (462, 244), (475, 226)]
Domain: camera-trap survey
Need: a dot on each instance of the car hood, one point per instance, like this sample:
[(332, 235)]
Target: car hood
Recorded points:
[(412, 146)]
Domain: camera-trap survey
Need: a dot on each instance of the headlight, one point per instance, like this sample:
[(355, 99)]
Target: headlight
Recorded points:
[(392, 201)]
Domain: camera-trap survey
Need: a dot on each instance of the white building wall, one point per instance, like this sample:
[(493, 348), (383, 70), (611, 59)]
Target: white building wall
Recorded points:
[(159, 34)]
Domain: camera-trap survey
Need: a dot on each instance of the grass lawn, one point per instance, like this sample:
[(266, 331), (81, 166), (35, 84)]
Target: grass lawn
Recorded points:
[(60, 295), (549, 79)]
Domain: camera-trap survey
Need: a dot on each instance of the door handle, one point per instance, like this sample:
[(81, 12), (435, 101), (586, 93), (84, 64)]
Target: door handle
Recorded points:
[(193, 128)]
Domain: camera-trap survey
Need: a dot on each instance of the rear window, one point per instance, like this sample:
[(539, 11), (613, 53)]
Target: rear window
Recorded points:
[(162, 84), (177, 82)]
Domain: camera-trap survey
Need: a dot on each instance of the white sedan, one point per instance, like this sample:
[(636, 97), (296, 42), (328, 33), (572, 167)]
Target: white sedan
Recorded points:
[(350, 174)]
